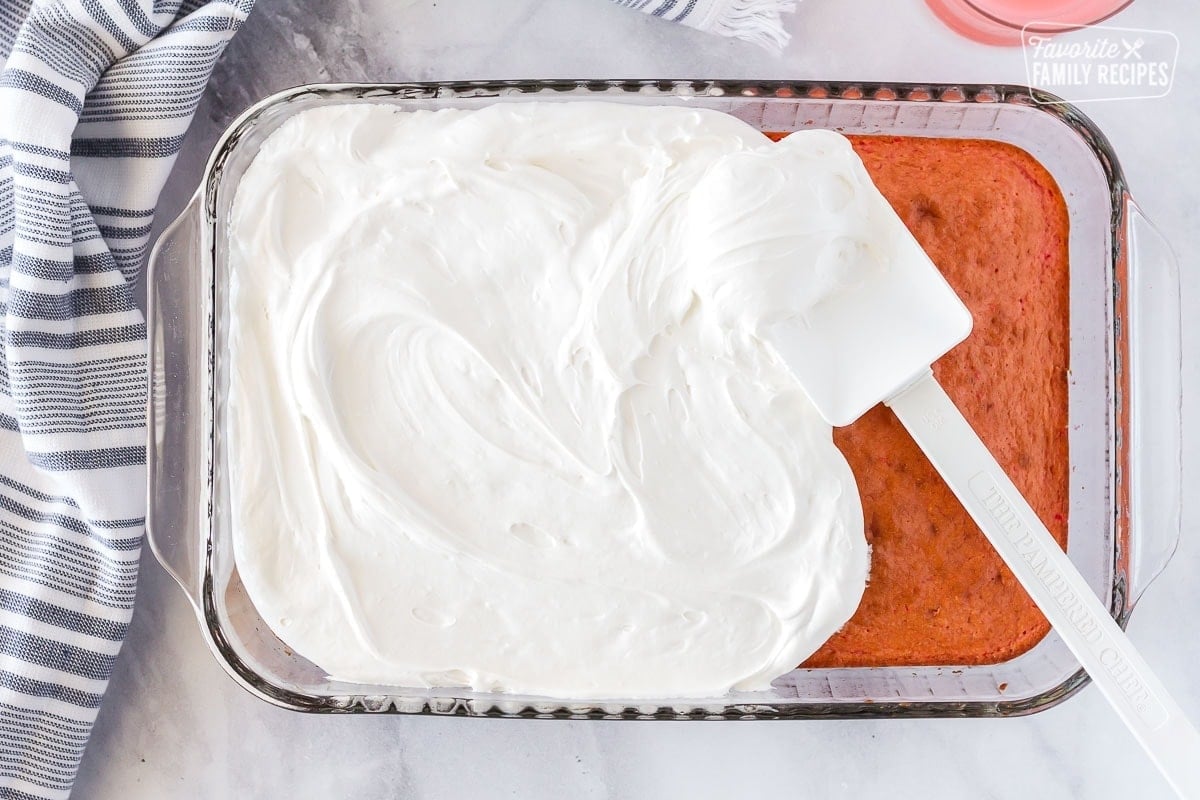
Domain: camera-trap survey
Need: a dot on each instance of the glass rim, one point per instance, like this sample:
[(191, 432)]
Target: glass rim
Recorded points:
[(1065, 27)]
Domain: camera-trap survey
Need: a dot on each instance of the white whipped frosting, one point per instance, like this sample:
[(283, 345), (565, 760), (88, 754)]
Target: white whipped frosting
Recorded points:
[(503, 415)]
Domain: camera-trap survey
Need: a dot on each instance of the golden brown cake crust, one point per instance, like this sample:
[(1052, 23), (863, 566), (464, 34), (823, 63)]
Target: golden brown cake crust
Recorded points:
[(993, 219)]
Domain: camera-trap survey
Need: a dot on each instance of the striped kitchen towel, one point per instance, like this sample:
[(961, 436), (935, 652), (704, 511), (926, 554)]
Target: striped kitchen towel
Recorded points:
[(95, 97), (758, 21)]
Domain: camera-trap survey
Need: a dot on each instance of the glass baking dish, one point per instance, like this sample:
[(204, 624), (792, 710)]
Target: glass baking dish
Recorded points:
[(1124, 398)]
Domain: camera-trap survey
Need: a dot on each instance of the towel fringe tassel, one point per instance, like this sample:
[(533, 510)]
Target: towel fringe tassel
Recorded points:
[(757, 21)]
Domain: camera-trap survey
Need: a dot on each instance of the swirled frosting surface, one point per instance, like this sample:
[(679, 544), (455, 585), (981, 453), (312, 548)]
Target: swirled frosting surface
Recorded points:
[(504, 408)]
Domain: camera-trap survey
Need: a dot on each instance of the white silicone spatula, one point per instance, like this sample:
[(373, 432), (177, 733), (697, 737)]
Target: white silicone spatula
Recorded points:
[(875, 342)]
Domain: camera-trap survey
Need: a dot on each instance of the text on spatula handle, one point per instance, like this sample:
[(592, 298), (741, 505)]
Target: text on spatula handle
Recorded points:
[(998, 506)]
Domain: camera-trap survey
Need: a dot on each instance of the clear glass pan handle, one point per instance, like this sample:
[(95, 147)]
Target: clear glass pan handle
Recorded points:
[(1155, 393), (174, 447)]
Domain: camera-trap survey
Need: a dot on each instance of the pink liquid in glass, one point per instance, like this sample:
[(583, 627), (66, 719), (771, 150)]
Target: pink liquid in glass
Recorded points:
[(1001, 21)]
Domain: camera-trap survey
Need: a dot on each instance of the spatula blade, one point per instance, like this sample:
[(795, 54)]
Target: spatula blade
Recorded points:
[(861, 344)]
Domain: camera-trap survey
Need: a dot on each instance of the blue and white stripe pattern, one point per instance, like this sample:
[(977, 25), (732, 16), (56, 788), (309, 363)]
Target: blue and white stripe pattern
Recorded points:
[(95, 97), (757, 21)]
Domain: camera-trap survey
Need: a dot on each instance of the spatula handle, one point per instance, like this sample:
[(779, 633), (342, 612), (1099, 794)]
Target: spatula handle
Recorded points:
[(1052, 581)]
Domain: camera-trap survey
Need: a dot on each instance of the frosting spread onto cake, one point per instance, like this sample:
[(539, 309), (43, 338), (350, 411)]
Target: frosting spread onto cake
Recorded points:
[(504, 412)]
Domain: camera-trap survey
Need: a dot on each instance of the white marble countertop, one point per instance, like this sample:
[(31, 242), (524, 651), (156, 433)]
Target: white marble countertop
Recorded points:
[(174, 726)]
